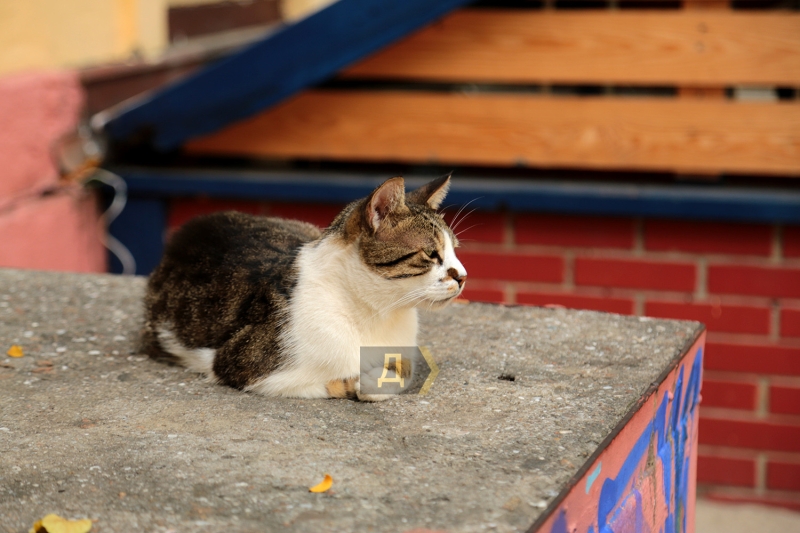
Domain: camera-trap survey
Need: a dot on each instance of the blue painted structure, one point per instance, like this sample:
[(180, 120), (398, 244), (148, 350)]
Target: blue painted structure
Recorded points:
[(590, 198), (284, 62), (141, 225), (651, 488)]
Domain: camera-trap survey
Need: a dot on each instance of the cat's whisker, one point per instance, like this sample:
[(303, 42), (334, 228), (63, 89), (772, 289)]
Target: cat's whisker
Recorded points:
[(430, 305), (406, 298), (467, 229), (462, 219), (455, 217)]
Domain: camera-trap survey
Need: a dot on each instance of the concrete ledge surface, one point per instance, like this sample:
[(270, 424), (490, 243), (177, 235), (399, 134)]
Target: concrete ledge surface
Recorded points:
[(90, 428)]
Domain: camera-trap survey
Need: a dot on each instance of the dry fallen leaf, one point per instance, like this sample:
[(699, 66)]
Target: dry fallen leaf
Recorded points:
[(53, 523), (323, 486), (15, 351)]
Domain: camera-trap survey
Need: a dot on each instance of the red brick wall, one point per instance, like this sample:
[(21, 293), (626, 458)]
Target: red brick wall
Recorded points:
[(741, 280)]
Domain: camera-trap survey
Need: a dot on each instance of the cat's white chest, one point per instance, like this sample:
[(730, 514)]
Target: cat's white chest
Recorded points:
[(398, 330)]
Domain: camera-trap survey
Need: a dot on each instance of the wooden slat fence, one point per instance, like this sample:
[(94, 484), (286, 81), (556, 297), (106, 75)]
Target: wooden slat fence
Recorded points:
[(384, 116)]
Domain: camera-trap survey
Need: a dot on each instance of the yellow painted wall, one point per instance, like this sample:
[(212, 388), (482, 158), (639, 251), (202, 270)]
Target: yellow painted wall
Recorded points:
[(42, 34), (36, 34)]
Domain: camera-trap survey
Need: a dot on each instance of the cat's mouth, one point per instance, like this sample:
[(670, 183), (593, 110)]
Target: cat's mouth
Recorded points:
[(437, 304)]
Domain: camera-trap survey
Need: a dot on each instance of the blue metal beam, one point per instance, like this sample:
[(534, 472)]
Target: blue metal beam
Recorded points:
[(699, 202), (140, 227), (285, 62)]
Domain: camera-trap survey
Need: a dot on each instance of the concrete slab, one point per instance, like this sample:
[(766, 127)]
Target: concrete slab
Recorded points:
[(90, 428)]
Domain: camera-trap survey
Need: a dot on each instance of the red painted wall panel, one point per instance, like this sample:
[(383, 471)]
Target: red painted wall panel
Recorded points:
[(729, 394), (587, 232), (778, 282), (726, 471), (790, 322), (728, 318), (736, 432), (635, 273), (784, 400), (623, 306), (783, 475), (707, 237), (791, 241), (511, 266), (753, 358)]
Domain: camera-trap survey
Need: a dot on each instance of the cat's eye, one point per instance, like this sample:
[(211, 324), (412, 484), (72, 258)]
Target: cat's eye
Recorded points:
[(433, 254)]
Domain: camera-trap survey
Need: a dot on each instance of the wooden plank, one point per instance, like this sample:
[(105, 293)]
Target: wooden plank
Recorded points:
[(689, 47), (506, 129)]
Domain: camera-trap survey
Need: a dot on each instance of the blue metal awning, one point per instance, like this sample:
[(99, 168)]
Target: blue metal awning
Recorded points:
[(284, 62)]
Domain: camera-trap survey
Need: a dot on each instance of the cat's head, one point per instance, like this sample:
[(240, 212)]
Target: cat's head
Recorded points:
[(404, 243)]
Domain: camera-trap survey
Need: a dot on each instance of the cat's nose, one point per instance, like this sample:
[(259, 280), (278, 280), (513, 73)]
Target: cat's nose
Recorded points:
[(460, 278)]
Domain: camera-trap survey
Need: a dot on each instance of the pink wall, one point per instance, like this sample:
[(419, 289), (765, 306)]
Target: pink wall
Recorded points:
[(43, 224)]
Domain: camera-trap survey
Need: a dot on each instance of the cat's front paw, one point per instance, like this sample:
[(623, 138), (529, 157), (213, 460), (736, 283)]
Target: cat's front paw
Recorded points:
[(363, 397), (343, 388)]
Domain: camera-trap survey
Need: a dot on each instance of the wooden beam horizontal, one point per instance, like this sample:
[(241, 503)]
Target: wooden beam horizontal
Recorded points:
[(679, 134), (692, 47)]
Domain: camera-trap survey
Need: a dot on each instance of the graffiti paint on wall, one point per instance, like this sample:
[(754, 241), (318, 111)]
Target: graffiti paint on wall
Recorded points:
[(644, 480)]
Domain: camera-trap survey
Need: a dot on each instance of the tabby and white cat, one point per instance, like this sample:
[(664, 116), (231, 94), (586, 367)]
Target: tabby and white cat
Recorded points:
[(277, 307)]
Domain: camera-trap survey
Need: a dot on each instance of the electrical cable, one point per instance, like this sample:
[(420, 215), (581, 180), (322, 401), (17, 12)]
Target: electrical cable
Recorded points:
[(117, 205)]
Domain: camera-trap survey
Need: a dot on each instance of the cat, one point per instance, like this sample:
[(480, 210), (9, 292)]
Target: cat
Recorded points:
[(280, 308)]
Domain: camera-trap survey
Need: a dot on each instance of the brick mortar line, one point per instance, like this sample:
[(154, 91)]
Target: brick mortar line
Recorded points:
[(777, 244), (701, 290), (638, 237), (509, 235), (509, 293), (775, 321), (638, 303), (762, 398), (569, 270), (761, 474)]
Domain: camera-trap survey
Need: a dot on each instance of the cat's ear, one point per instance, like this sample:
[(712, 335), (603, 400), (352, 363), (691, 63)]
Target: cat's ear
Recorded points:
[(431, 194), (389, 197)]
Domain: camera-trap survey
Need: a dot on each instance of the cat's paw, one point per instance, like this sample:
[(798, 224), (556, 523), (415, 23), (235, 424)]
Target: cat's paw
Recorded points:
[(363, 397), (343, 388), (375, 397)]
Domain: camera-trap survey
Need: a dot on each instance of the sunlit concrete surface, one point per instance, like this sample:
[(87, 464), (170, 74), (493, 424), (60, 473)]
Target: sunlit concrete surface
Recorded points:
[(715, 517)]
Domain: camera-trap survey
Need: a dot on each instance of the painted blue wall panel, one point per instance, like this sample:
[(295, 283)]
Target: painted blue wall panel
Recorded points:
[(285, 62), (707, 202), (140, 227)]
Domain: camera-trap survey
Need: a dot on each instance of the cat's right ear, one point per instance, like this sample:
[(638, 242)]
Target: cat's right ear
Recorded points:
[(432, 193), (387, 198)]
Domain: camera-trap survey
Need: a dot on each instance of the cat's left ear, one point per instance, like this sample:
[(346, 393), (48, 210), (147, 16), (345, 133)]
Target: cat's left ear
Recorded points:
[(384, 200), (431, 194)]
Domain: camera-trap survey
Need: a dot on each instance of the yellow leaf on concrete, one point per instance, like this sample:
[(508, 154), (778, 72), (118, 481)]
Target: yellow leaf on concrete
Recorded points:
[(15, 351), (323, 486), (53, 523)]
